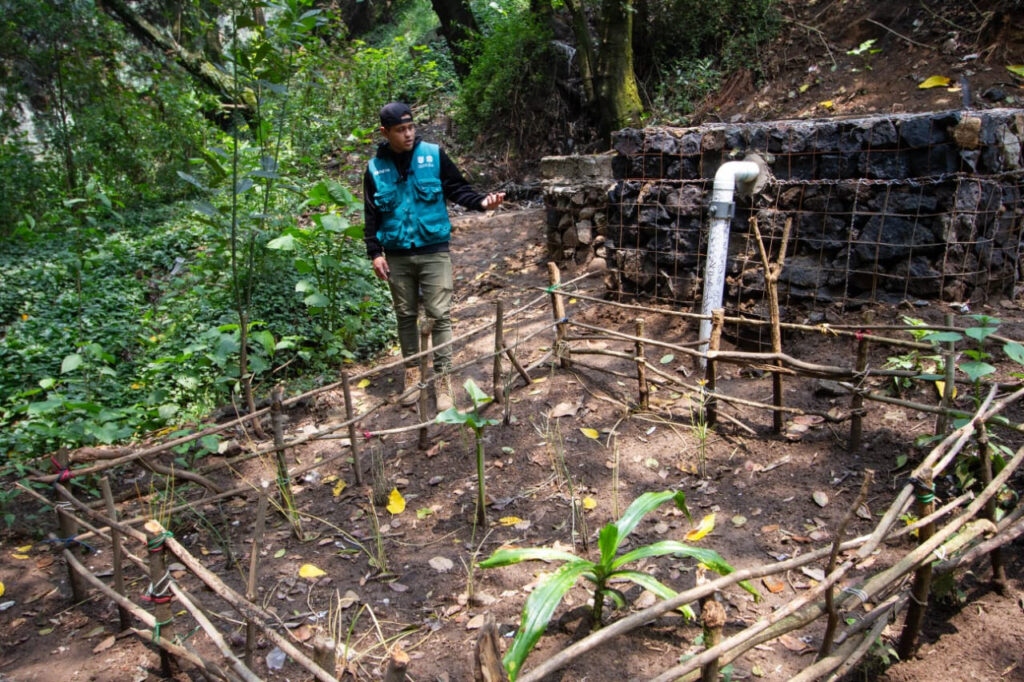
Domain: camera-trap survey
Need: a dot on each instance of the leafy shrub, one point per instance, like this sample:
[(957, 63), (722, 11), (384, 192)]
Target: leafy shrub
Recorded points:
[(510, 90)]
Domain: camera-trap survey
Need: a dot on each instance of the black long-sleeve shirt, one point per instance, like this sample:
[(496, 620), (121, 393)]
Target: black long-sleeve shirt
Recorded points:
[(454, 186)]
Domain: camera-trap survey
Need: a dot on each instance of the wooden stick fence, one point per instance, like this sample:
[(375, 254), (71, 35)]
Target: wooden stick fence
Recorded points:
[(852, 642)]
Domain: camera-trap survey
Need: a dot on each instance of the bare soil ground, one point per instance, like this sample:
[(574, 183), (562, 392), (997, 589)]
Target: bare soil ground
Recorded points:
[(759, 485)]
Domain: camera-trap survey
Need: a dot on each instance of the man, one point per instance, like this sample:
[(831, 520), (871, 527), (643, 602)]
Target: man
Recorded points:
[(407, 231)]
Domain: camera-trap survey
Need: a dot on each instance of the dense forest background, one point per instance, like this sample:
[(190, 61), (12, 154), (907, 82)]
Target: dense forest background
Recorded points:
[(179, 218)]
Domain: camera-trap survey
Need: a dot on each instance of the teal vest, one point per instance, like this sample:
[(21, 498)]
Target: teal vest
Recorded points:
[(413, 212)]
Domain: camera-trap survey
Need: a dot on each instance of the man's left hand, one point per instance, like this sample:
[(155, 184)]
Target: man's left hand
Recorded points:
[(493, 200)]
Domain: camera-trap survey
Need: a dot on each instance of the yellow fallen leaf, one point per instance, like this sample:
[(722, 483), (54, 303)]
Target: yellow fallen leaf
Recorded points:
[(396, 503), (329, 479), (338, 488), (540, 380), (509, 520), (827, 104), (19, 556), (803, 88), (310, 572), (572, 300), (363, 384), (2, 588), (590, 433), (934, 82), (589, 503), (706, 525), (23, 548), (940, 386)]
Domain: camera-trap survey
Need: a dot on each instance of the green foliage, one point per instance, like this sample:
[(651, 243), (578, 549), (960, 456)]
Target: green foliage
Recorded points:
[(334, 283), (610, 568), (683, 85), (683, 48), (510, 86), (474, 420)]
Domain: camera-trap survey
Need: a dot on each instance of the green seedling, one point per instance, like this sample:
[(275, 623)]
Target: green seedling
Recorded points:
[(541, 603), (475, 421)]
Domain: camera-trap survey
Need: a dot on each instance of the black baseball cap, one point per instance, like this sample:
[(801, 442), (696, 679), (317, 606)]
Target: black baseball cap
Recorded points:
[(395, 113)]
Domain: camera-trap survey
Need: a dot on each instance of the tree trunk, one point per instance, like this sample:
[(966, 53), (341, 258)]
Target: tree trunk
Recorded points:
[(195, 64), (618, 98), (458, 26)]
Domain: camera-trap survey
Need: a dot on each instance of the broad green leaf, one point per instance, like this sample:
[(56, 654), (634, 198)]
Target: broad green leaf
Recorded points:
[(506, 556), (1016, 69), (608, 542), (667, 358), (655, 586), (661, 549), (70, 363), (1014, 351), (265, 339), (333, 222), (285, 242), (640, 507), (976, 370), (942, 337), (540, 605), (476, 394), (316, 300), (450, 416), (979, 334)]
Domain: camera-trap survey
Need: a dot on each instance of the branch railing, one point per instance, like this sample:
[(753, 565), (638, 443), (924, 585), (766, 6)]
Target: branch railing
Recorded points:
[(852, 642)]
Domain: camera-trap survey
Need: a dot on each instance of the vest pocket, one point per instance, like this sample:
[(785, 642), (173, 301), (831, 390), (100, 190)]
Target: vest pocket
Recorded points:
[(387, 199), (428, 189)]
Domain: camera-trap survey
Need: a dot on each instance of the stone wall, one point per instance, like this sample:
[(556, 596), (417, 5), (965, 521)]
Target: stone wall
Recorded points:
[(884, 208)]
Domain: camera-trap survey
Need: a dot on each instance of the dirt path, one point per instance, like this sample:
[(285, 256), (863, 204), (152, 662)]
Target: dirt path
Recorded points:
[(418, 581)]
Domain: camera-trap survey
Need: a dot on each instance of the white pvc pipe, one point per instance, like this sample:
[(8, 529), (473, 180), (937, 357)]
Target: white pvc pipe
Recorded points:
[(722, 208)]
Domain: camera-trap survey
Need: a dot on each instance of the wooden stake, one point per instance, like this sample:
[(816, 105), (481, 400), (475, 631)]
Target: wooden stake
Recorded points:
[(398, 664), (423, 405), (518, 365), (771, 282), (487, 655), (66, 530), (254, 568), (353, 440), (499, 343), (641, 367), (996, 555), (284, 482), (713, 617), (710, 406), (857, 401), (124, 617), (558, 312), (923, 576), (159, 591)]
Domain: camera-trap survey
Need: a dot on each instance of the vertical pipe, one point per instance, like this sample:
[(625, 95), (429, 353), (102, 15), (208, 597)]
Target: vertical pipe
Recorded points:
[(124, 618), (499, 341), (558, 312), (357, 467), (722, 209), (641, 368)]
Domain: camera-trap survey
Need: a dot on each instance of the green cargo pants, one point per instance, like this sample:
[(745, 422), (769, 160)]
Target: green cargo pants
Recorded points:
[(423, 278)]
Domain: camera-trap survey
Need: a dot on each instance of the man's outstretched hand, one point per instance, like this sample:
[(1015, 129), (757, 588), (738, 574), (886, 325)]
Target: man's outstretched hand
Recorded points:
[(380, 268), (493, 200)]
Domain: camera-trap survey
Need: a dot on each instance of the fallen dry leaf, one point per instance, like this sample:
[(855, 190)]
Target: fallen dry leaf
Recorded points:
[(105, 644), (772, 585)]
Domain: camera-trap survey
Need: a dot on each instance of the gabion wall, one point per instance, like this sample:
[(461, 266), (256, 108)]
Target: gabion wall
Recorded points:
[(889, 208)]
